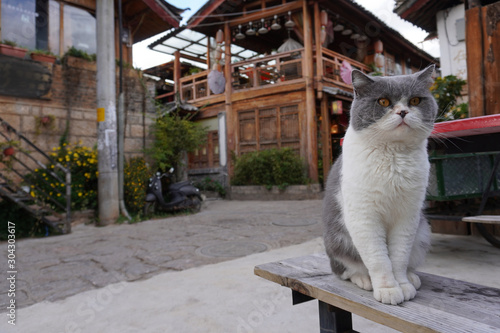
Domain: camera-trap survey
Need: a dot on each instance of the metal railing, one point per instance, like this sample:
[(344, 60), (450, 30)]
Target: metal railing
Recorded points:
[(21, 162)]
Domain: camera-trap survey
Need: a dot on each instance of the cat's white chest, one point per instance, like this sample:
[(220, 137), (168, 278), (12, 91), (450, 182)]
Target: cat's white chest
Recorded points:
[(384, 178)]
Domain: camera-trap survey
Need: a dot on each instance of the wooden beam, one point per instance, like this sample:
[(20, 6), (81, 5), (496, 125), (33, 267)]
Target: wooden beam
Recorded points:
[(177, 72), (231, 118), (475, 61), (193, 58), (162, 12), (207, 11), (326, 139), (311, 137), (319, 50), (266, 13)]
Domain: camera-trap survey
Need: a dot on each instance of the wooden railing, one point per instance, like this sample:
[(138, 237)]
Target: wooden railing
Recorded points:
[(332, 62), (269, 70), (276, 69), (195, 86)]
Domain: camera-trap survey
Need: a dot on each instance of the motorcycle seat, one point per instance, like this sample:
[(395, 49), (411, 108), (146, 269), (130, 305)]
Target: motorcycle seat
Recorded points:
[(178, 186)]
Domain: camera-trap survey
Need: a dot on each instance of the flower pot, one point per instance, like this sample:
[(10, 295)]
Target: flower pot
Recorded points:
[(43, 57), (12, 51), (8, 151)]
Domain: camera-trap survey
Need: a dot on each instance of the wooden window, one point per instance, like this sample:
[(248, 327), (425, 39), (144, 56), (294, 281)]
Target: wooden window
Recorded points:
[(267, 128), (206, 156)]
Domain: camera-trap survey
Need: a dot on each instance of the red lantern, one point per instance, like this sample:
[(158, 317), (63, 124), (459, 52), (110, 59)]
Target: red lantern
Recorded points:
[(8, 151), (379, 46)]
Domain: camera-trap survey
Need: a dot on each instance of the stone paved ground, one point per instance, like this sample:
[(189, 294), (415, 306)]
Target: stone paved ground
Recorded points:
[(57, 267)]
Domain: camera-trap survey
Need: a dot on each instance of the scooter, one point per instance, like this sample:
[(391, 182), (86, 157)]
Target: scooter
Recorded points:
[(179, 196)]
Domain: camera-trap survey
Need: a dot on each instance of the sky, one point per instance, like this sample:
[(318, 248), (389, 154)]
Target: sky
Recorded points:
[(383, 9)]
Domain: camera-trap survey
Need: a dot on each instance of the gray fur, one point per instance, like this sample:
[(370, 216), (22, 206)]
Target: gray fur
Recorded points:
[(369, 89)]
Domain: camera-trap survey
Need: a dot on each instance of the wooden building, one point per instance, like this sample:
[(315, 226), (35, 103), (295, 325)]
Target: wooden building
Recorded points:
[(283, 83)]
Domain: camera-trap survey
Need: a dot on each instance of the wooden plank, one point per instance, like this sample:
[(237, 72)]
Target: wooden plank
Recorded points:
[(441, 304), (475, 66), (490, 219)]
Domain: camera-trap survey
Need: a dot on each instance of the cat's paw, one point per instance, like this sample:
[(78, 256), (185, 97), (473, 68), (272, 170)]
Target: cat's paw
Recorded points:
[(363, 281), (409, 291), (414, 280), (392, 295)]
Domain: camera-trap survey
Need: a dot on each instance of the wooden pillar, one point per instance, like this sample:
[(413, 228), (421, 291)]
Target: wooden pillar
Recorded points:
[(208, 54), (177, 73), (310, 126), (231, 118), (475, 65), (326, 139), (319, 50)]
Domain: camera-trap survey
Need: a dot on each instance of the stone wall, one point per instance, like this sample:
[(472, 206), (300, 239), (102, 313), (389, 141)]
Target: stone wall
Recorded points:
[(71, 103)]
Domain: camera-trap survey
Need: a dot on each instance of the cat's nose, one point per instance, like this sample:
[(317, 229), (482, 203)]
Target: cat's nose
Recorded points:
[(403, 113)]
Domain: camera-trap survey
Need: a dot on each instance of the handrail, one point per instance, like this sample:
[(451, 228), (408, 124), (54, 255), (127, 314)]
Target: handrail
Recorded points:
[(356, 63), (27, 169)]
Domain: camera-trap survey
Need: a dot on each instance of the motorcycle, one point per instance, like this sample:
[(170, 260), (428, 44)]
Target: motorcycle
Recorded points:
[(177, 196)]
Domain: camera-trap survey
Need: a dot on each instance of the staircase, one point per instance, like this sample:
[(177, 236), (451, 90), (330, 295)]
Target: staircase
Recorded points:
[(20, 157)]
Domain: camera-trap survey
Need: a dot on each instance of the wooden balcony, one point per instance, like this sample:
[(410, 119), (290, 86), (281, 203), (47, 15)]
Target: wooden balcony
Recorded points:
[(277, 70)]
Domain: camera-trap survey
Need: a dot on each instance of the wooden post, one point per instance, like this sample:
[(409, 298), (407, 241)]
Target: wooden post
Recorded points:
[(231, 117), (177, 73), (319, 50), (310, 110), (475, 64), (208, 54), (325, 137)]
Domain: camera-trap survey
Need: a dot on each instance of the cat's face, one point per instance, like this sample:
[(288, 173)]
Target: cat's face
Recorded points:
[(394, 107)]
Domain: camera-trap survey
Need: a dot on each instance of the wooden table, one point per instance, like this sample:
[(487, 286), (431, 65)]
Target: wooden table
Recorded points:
[(441, 304)]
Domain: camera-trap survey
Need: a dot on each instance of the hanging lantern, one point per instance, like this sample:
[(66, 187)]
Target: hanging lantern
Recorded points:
[(218, 52), (338, 27), (379, 60), (275, 25), (347, 32), (250, 31), (355, 36), (263, 29), (239, 35), (219, 37), (289, 24), (379, 46)]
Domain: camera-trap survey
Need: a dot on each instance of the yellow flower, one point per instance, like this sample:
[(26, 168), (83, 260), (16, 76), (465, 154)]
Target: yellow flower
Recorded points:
[(32, 194), (58, 194), (79, 194)]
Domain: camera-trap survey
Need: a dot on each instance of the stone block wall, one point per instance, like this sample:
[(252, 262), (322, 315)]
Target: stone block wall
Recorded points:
[(72, 102)]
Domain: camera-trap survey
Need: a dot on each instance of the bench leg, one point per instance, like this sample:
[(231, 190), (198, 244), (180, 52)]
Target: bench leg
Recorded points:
[(333, 319)]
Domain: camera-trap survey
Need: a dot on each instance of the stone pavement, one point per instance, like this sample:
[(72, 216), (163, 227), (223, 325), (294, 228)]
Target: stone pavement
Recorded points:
[(54, 268)]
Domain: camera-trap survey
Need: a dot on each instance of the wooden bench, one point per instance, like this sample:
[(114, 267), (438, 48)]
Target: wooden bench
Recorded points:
[(488, 219), (441, 304)]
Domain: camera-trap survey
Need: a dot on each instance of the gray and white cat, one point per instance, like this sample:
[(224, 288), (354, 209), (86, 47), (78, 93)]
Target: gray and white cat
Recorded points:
[(375, 232)]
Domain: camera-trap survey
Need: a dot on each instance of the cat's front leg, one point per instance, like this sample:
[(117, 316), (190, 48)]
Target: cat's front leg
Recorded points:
[(369, 238), (400, 242)]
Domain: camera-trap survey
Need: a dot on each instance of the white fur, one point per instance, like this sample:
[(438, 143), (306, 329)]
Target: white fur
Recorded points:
[(384, 176)]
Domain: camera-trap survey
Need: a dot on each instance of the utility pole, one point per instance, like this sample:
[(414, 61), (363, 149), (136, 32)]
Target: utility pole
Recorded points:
[(107, 186)]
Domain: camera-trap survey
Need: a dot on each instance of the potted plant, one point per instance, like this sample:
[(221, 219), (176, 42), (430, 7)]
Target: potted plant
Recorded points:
[(10, 48), (43, 56), (47, 122)]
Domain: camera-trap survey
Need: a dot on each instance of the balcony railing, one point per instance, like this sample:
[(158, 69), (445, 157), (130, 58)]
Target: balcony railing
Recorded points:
[(332, 62), (269, 70), (277, 69), (195, 86)]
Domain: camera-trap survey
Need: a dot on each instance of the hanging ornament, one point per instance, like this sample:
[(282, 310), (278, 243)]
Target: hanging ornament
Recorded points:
[(289, 24), (347, 32), (324, 22), (275, 25), (239, 35), (379, 60), (379, 46), (250, 31), (263, 29), (219, 37), (338, 27)]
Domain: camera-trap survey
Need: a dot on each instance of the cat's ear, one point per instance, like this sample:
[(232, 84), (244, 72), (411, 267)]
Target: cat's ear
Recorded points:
[(425, 75), (360, 80)]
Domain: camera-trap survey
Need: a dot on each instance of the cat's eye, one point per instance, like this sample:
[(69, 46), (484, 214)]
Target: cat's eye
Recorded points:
[(384, 102), (415, 101)]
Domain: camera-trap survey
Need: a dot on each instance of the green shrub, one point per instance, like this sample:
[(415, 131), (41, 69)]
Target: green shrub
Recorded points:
[(446, 90), (280, 167), (136, 175), (208, 184), (82, 162)]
